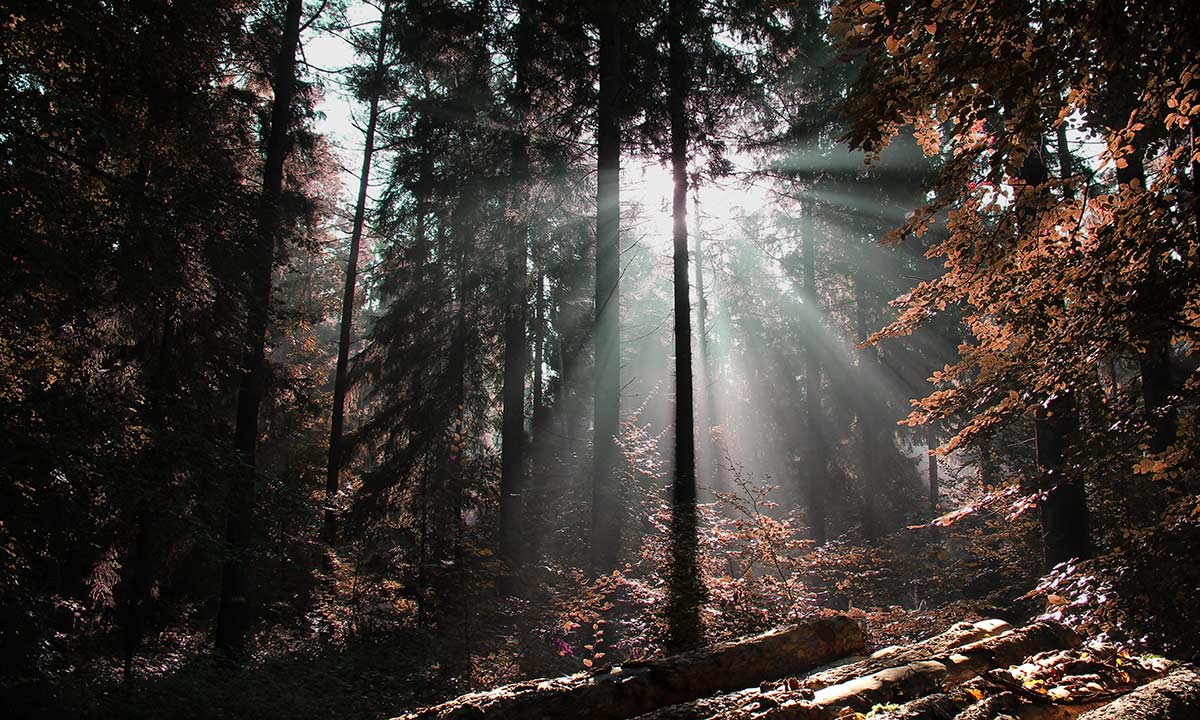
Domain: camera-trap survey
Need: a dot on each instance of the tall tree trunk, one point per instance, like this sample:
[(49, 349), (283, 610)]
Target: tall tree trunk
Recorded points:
[(139, 580), (516, 356), (818, 487), (606, 510), (538, 483), (233, 613), (686, 589), (340, 381)]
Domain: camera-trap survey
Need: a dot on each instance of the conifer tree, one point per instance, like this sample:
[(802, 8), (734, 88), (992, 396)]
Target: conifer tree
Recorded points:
[(374, 90), (233, 617)]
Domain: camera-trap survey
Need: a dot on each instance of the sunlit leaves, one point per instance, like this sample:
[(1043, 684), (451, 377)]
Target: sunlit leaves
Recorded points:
[(1050, 278)]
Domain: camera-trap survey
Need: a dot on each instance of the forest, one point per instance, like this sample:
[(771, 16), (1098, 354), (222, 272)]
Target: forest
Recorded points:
[(810, 359)]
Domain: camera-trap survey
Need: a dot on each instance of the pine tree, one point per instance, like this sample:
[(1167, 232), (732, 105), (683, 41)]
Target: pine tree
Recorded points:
[(233, 617), (374, 90), (516, 355), (606, 341)]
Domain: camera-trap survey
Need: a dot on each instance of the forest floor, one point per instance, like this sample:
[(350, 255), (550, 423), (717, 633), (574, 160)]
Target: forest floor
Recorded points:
[(377, 676), (988, 670), (914, 585)]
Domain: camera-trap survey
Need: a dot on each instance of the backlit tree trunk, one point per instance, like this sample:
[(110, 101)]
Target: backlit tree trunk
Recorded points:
[(340, 380), (686, 590)]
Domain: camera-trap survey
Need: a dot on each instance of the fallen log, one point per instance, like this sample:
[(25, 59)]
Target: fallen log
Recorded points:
[(958, 635), (1051, 711), (801, 703), (1174, 697), (885, 686), (706, 707), (1009, 648), (622, 692), (939, 706), (796, 699), (988, 708)]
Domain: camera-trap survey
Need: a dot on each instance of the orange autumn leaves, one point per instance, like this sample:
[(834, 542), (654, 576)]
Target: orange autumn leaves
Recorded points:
[(1052, 277)]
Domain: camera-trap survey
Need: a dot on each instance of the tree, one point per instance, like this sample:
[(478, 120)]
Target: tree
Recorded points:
[(146, 138), (233, 616), (606, 508), (1050, 273), (373, 92), (516, 354), (686, 587)]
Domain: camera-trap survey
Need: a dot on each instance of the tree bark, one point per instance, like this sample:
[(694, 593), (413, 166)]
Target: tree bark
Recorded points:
[(340, 379), (628, 691), (906, 673), (987, 465), (1064, 156), (452, 610), (138, 580), (1008, 648), (139, 561), (958, 635), (891, 685), (233, 614), (606, 510), (1174, 697), (686, 589), (1157, 386), (516, 355), (1195, 171), (939, 706)]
